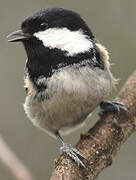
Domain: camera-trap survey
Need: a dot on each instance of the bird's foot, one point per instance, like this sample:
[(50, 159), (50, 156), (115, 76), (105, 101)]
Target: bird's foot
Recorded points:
[(107, 106), (73, 153)]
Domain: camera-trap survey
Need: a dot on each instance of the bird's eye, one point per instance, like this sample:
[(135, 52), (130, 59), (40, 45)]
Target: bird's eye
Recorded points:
[(43, 26)]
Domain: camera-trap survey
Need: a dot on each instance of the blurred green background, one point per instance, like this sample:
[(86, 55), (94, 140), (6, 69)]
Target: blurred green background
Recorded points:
[(114, 24)]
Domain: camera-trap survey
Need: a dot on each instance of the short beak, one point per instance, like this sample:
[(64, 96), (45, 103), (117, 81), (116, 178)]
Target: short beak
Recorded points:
[(18, 36)]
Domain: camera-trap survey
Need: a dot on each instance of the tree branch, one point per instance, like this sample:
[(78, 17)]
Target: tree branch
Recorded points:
[(102, 142)]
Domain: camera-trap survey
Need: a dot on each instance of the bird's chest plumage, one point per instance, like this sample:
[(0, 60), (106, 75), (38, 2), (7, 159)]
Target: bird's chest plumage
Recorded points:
[(71, 94)]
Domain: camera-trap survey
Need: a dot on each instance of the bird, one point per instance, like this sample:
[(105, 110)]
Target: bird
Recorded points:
[(67, 73)]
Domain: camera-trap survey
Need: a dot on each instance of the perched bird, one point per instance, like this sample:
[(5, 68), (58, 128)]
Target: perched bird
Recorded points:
[(67, 72)]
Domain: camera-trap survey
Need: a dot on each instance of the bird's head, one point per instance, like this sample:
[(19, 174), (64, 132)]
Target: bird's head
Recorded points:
[(54, 28)]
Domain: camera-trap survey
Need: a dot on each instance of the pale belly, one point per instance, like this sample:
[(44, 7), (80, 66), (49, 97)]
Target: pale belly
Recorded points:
[(69, 102)]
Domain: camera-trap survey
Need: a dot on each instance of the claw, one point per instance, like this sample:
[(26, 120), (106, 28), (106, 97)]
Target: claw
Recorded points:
[(73, 153), (78, 153), (121, 106), (108, 106)]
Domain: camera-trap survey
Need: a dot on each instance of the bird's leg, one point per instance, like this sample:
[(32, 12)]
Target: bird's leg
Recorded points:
[(111, 106), (73, 153)]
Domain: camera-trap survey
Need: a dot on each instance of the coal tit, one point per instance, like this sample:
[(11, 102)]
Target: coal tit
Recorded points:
[(67, 72)]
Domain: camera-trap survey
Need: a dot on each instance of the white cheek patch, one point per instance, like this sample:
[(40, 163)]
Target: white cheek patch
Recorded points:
[(73, 42)]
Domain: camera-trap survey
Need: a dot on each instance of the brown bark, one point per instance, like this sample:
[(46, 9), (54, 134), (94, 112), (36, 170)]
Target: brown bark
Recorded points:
[(102, 142)]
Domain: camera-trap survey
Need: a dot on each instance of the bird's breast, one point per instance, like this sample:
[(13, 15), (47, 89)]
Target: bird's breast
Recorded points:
[(70, 96)]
